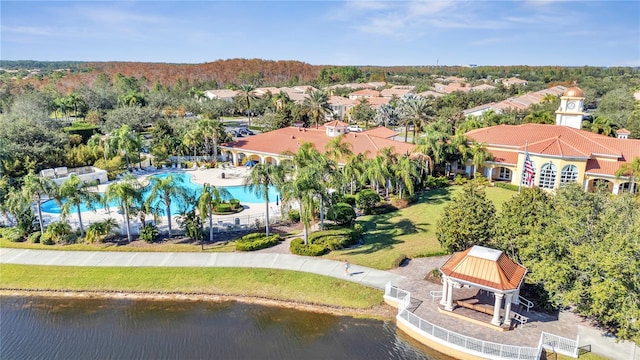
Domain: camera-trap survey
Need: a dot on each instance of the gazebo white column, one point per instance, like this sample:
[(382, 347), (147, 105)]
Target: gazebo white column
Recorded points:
[(507, 310), (449, 305), (496, 309), (443, 301)]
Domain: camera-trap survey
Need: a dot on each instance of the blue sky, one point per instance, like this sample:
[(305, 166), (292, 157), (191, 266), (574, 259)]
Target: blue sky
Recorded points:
[(358, 32)]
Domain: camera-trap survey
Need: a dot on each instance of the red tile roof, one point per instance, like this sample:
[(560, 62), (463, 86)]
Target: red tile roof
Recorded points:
[(381, 132), (485, 267), (605, 154), (289, 139)]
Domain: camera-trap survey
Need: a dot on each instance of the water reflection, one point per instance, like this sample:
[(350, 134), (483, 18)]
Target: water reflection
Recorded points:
[(57, 328)]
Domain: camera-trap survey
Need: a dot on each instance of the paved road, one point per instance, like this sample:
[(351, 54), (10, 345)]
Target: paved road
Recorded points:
[(359, 274)]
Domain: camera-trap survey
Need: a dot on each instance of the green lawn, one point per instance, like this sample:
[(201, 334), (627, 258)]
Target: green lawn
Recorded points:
[(282, 285), (407, 232)]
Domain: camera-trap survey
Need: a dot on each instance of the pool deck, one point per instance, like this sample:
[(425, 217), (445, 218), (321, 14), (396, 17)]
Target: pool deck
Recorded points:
[(232, 177)]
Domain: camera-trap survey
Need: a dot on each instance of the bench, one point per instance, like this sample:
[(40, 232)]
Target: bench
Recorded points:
[(473, 305)]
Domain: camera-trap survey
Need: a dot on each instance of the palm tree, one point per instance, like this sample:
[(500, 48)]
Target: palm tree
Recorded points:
[(604, 126), (164, 189), (405, 172), (127, 141), (387, 115), (479, 154), (192, 139), (210, 131), (316, 105), (261, 178), (76, 193), (389, 158), (127, 193), (210, 197), (354, 170), (548, 98), (375, 171), (38, 186), (416, 110), (247, 95), (301, 188), (632, 170), (338, 149)]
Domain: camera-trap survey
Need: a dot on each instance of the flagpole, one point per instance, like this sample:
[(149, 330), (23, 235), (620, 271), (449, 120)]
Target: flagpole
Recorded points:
[(526, 152)]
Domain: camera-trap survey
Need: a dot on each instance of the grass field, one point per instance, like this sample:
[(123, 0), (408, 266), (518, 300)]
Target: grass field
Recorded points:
[(281, 285), (408, 232)]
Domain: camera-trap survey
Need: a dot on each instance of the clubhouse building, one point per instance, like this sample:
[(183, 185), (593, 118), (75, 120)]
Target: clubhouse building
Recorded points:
[(560, 154), (273, 146)]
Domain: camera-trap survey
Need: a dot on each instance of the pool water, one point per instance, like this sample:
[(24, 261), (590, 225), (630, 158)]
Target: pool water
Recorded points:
[(177, 205)]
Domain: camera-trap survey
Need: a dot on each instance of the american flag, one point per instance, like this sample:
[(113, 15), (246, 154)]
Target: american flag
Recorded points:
[(528, 171)]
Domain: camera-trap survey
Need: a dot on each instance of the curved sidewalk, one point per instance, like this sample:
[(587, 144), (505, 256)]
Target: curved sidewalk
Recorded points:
[(359, 274)]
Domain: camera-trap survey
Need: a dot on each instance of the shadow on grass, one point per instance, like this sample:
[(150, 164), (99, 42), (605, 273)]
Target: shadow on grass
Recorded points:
[(381, 232)]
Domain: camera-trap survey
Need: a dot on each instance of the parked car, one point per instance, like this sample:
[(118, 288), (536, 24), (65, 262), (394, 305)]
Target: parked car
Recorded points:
[(354, 128)]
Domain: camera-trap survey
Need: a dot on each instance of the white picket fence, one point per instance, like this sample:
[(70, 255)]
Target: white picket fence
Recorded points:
[(474, 346)]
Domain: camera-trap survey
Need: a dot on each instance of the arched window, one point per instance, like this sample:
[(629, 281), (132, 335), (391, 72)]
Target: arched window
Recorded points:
[(568, 175), (533, 176), (548, 174)]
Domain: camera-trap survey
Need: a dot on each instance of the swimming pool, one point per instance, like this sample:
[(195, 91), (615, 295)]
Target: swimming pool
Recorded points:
[(177, 205)]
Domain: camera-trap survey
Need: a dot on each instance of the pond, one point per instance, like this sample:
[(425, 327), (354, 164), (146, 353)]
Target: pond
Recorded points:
[(71, 328), (237, 192)]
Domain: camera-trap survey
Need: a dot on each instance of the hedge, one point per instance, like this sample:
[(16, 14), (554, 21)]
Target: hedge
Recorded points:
[(298, 247), (223, 208), (257, 241), (506, 186), (335, 239)]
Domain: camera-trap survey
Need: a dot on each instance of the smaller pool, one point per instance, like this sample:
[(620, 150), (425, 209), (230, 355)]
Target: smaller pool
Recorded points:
[(177, 205)]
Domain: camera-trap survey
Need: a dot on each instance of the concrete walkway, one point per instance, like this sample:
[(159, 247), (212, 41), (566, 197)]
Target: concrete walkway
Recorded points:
[(359, 274)]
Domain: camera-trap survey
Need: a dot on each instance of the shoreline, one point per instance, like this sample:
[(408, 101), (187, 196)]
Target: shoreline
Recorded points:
[(379, 312)]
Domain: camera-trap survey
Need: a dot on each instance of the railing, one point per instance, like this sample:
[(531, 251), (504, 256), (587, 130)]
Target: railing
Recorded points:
[(468, 344), (527, 303), (519, 318), (559, 344), (435, 295), (475, 346)]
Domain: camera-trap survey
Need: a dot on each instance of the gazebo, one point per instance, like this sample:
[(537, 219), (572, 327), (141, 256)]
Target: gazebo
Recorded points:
[(486, 269)]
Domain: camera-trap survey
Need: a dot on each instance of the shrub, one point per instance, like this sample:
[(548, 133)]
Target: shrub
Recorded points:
[(335, 239), (14, 235), (149, 233), (506, 186), (258, 241), (460, 180), (341, 213), (235, 203), (294, 215), (366, 200), (436, 182), (399, 260), (400, 203), (357, 227), (349, 199), (223, 208), (298, 247), (35, 237), (98, 230), (56, 233)]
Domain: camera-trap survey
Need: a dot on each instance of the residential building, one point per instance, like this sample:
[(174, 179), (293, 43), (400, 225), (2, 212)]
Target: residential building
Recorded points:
[(222, 94), (397, 90)]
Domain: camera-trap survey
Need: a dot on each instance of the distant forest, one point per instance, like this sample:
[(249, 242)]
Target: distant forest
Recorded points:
[(232, 72)]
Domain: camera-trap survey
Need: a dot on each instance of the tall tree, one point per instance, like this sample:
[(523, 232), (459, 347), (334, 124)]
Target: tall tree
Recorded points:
[(479, 154), (247, 94), (405, 173), (128, 193), (38, 187), (631, 170), (210, 197), (337, 149), (316, 105), (467, 220), (164, 190), (76, 193), (416, 110), (261, 178)]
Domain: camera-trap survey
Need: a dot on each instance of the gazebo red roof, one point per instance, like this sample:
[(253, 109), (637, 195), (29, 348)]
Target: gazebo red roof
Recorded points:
[(485, 267)]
